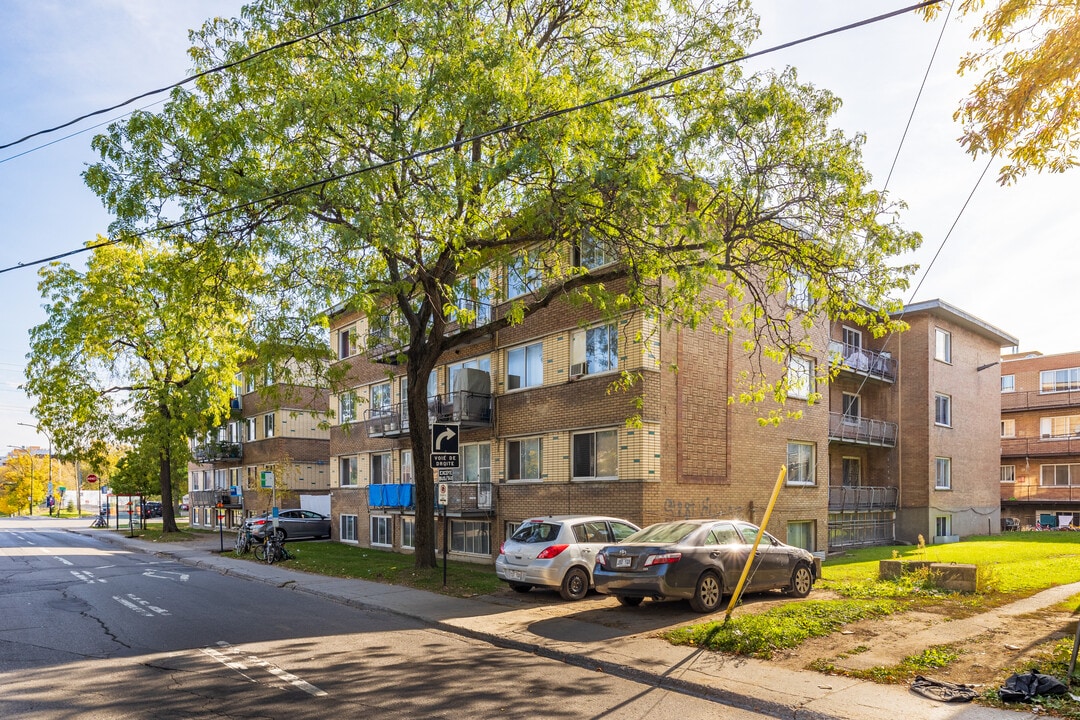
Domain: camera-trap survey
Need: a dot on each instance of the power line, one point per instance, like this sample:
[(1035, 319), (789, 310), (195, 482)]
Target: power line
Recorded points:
[(204, 73), (480, 136)]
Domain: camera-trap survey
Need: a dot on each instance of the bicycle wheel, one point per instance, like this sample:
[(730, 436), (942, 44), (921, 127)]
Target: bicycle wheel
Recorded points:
[(260, 552), (271, 553), (240, 546)]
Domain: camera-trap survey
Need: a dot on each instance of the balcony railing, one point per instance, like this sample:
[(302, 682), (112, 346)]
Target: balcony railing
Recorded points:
[(1031, 399), (470, 409), (862, 362), (214, 451), (861, 431), (1048, 446), (862, 499), (211, 498), (462, 497)]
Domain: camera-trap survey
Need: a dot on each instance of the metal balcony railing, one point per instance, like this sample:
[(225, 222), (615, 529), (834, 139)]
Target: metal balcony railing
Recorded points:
[(1033, 400), (862, 431), (862, 498), (214, 451), (470, 409), (1040, 446), (862, 362), (462, 496)]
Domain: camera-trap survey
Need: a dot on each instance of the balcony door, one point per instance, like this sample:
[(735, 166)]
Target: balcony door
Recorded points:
[(851, 470)]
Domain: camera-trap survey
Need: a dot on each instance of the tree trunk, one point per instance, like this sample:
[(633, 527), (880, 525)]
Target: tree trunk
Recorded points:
[(168, 517), (420, 437)]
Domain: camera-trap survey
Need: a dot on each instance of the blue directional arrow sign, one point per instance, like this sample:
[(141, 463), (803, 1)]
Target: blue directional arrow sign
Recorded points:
[(444, 445)]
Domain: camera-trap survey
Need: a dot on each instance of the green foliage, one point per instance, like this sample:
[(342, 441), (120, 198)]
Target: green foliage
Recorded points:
[(932, 658), (761, 634)]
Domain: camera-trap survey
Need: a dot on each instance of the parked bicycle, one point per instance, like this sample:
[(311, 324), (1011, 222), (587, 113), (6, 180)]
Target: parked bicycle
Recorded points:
[(244, 540), (100, 522), (272, 549)]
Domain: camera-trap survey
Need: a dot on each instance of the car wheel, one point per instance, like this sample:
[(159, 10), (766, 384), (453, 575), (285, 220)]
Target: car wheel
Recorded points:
[(802, 580), (520, 587), (629, 600), (575, 584), (281, 534), (707, 593)]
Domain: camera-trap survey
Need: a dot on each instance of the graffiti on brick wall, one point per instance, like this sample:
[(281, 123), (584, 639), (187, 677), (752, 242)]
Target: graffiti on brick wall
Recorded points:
[(675, 509)]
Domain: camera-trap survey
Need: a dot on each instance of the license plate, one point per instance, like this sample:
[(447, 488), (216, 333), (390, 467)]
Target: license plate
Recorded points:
[(513, 574), (621, 562)]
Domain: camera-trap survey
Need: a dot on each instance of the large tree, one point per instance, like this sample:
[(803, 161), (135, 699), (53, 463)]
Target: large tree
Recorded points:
[(1025, 105), (400, 162), (142, 347)]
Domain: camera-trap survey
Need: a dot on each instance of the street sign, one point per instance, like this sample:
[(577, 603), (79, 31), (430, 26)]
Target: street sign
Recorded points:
[(266, 479), (444, 438), (91, 478), (446, 475), (445, 460), (444, 493)]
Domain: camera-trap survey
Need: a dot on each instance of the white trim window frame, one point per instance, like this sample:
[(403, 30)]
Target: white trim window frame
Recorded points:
[(407, 477), (1008, 383), (251, 426), (382, 531), (942, 473), (470, 537), (382, 469), (595, 350), (524, 459), (523, 275), (525, 366), (1008, 428), (1061, 474), (347, 407), (379, 398), (800, 463), (475, 463), (268, 425), (943, 345), (347, 526), (942, 410), (1063, 380), (595, 455), (1008, 474), (593, 252), (349, 471), (1059, 427), (408, 532), (800, 377)]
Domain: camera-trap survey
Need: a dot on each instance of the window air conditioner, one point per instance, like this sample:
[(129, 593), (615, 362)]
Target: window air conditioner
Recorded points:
[(577, 369)]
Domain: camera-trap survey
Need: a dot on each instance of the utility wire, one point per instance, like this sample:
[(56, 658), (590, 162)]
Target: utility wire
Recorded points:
[(488, 133), (204, 73)]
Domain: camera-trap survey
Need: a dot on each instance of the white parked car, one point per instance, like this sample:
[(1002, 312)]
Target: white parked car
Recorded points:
[(558, 551)]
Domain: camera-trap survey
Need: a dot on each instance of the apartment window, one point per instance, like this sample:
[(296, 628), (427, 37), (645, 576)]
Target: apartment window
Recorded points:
[(1058, 475), (1059, 427), (852, 339), (852, 407), (349, 474), (408, 532), (596, 455), (523, 459), (524, 366), (249, 382), (942, 345), (1059, 380), (346, 343), (347, 407), (1008, 428), (475, 463), (480, 363), (381, 530), (268, 425), (249, 430), (380, 398), (470, 536), (800, 463), (801, 534), (941, 525), (1008, 383), (1008, 473), (406, 467), (523, 274), (851, 471), (799, 291), (381, 469), (473, 294), (347, 528), (593, 252), (942, 474), (800, 377), (942, 410), (594, 350)]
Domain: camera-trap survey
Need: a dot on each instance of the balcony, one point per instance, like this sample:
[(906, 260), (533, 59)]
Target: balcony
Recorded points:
[(463, 497), (1040, 447), (862, 362), (861, 431), (391, 421), (469, 409), (862, 499), (217, 451), (1033, 400), (212, 498)]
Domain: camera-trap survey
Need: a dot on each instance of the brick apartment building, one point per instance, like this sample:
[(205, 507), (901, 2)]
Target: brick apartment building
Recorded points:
[(1040, 439), (277, 436), (902, 443)]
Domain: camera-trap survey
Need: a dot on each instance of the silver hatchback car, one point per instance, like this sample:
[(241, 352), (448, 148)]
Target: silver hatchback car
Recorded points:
[(558, 551)]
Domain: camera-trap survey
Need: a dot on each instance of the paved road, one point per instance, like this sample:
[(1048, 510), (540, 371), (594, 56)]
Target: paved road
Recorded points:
[(91, 630)]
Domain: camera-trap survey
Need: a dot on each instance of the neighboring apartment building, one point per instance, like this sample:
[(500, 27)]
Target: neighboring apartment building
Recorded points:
[(880, 457), (1040, 439), (277, 436)]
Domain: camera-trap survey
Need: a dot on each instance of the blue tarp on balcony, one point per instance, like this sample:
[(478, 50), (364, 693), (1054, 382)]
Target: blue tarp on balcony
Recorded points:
[(393, 495)]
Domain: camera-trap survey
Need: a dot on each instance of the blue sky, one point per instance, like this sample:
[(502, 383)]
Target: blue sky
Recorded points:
[(1010, 260)]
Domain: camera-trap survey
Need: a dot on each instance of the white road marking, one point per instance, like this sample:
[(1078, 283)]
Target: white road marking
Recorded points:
[(87, 577), (143, 607), (245, 662), (63, 560), (165, 575)]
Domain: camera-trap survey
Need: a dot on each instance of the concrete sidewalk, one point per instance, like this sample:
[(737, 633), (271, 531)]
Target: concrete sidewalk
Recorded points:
[(556, 630)]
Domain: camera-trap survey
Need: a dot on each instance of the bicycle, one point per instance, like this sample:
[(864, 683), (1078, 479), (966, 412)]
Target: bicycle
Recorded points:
[(244, 540), (272, 550), (100, 522)]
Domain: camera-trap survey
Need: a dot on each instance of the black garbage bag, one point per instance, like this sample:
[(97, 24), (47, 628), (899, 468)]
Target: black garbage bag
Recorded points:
[(1023, 687), (943, 691)]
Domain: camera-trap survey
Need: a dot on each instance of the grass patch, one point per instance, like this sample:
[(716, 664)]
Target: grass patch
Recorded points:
[(1053, 659), (932, 658), (348, 561), (762, 634)]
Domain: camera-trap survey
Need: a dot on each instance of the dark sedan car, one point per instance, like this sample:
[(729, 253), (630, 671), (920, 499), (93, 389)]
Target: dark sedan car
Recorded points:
[(700, 561), (292, 524)]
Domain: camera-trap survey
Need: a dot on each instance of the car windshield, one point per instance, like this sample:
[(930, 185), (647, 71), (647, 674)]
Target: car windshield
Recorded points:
[(662, 533), (536, 532)]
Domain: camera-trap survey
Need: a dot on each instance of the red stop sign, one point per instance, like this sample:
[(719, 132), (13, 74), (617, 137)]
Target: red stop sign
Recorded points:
[(91, 478)]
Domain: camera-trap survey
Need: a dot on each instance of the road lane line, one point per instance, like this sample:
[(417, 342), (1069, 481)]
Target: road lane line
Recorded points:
[(63, 560), (247, 660)]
